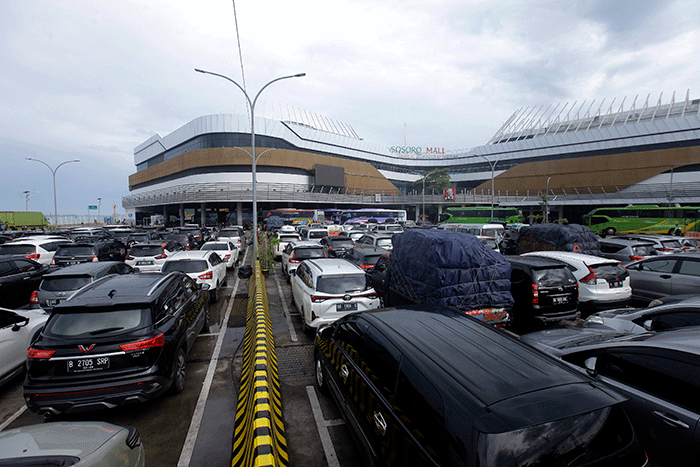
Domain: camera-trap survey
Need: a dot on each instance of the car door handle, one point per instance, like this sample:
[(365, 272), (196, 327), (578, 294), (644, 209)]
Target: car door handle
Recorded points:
[(344, 372), (673, 421), (380, 423), (665, 276)]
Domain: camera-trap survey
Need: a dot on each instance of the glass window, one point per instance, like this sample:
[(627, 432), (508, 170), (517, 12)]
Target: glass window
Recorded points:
[(644, 250), (690, 267), (64, 283), (307, 253), (146, 250), (215, 247), (384, 242), (342, 284), (5, 269), (678, 319), (26, 266), (95, 322), (72, 250), (17, 249), (380, 362), (350, 335), (186, 266), (553, 277), (659, 265)]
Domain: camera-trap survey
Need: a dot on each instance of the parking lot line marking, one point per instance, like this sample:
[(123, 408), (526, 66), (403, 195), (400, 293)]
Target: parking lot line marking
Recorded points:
[(321, 424), (292, 332), (14, 417), (190, 440)]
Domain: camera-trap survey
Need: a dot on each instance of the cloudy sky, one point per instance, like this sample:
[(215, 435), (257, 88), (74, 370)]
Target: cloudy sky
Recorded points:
[(90, 80)]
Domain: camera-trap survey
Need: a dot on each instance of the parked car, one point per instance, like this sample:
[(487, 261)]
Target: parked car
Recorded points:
[(296, 252), (380, 240), (325, 289), (690, 245), (18, 329), (138, 237), (96, 249), (115, 342), (204, 266), (19, 277), (40, 249), (284, 237), (639, 320), (235, 234), (226, 250), (659, 373), (365, 257), (313, 234), (663, 244), (337, 245), (626, 250), (387, 228), (543, 289), (61, 284), (673, 274), (603, 283), (80, 443), (186, 240), (150, 256), (429, 386)]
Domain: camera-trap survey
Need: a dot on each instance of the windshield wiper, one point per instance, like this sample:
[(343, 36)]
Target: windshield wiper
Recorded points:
[(105, 330)]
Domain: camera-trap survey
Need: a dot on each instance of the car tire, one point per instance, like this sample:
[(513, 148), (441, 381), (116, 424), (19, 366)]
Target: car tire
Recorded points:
[(214, 294), (205, 326), (179, 371), (610, 231), (320, 375)]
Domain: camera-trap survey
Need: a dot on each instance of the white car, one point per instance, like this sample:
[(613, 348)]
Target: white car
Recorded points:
[(150, 256), (204, 266), (235, 234), (226, 249), (40, 248), (284, 238), (326, 289), (603, 283), (314, 234), (18, 328)]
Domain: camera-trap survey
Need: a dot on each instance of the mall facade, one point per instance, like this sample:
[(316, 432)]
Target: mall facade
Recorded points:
[(582, 156)]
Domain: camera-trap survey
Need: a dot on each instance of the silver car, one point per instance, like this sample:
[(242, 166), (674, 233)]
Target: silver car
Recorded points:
[(663, 275), (640, 320), (72, 443)]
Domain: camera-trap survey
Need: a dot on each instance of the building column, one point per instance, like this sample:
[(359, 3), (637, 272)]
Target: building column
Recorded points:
[(418, 213), (165, 214), (239, 213), (203, 214), (182, 214)]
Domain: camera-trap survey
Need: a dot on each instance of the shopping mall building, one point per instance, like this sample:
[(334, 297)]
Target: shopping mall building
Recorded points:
[(583, 156)]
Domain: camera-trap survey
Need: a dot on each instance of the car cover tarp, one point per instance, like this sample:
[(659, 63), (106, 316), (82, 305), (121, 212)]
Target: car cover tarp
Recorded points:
[(558, 237), (449, 268)]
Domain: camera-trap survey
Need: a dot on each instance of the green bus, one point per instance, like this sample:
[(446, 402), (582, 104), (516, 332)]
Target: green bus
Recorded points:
[(480, 215), (647, 218)]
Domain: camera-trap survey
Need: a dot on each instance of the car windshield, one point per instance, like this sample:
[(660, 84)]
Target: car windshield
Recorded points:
[(671, 244), (610, 271), (553, 277), (643, 250), (341, 284), (146, 250), (341, 242), (289, 238), (384, 242), (186, 265), (63, 283), (307, 253), (17, 249), (371, 259), (84, 250), (229, 233), (215, 246), (318, 234), (74, 323)]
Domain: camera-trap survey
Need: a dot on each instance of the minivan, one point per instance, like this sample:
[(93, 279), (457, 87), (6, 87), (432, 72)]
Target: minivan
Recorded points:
[(429, 386)]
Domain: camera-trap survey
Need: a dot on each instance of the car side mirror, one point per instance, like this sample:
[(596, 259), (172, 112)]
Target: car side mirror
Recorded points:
[(17, 326), (293, 272), (203, 286), (325, 333), (649, 324), (590, 365)]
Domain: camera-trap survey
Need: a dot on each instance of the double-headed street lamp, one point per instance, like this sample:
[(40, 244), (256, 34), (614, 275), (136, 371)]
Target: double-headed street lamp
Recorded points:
[(251, 103), (53, 173), (424, 177), (493, 176)]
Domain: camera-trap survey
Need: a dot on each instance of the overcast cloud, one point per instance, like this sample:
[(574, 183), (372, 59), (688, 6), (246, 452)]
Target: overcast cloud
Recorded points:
[(92, 80)]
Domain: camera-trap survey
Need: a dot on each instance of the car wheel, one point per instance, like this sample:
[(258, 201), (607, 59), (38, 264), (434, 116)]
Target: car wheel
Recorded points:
[(214, 294), (321, 377), (610, 231), (206, 312), (179, 372)]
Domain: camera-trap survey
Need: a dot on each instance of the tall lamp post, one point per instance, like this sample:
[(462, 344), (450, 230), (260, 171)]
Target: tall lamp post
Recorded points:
[(251, 103), (546, 202), (26, 200), (493, 177), (53, 173), (424, 177)]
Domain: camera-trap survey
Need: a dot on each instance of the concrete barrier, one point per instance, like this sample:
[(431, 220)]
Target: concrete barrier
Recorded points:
[(258, 437)]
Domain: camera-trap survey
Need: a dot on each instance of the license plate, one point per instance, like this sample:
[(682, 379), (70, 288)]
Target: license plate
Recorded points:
[(70, 263), (144, 263), (560, 300), (80, 365), (615, 284), (346, 307)]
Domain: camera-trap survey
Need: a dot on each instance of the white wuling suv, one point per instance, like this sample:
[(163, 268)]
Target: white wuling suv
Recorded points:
[(326, 289)]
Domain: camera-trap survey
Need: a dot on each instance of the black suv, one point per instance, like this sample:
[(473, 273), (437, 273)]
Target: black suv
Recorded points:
[(117, 341), (336, 246), (87, 249), (19, 277), (429, 386), (543, 289)]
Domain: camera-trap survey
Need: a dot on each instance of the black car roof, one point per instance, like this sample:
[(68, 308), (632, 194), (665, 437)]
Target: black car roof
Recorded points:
[(120, 289), (463, 356), (535, 262), (90, 268)]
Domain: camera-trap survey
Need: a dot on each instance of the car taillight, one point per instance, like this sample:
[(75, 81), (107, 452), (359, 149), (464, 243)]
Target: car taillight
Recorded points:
[(94, 258), (32, 256), (163, 255), (227, 257), (53, 261), (129, 257), (665, 249), (34, 298), (206, 276), (35, 353), (371, 295), (589, 278), (317, 299), (293, 260), (366, 266), (636, 258), (535, 294), (157, 341)]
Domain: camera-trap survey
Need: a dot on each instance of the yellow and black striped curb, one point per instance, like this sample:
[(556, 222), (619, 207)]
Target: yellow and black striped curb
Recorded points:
[(258, 436)]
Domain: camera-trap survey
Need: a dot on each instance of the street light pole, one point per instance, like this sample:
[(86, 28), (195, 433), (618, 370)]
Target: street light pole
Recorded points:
[(546, 207), (493, 176), (424, 177), (251, 103), (26, 200), (53, 173)]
